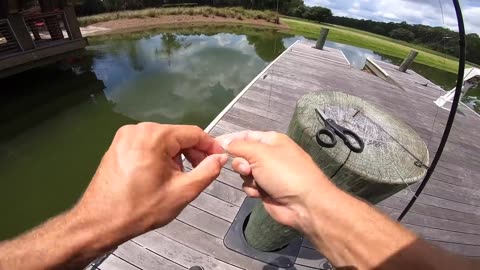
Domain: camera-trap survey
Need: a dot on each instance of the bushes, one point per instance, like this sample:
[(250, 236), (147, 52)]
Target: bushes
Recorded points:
[(238, 13), (402, 34), (318, 14), (90, 7)]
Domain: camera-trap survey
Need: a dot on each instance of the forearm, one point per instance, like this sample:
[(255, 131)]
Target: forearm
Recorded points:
[(69, 241), (353, 234)]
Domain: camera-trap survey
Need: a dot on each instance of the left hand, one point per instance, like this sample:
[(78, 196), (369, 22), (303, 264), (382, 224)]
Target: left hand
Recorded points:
[(140, 184)]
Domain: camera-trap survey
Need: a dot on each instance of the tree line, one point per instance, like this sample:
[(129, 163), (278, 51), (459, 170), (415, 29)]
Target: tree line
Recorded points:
[(437, 38), (440, 39)]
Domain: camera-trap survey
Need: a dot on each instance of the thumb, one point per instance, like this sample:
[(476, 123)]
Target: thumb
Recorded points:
[(248, 150), (208, 170)]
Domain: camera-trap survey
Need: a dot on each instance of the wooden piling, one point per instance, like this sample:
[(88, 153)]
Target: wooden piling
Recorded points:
[(21, 32), (408, 61), (322, 38), (263, 233), (394, 157)]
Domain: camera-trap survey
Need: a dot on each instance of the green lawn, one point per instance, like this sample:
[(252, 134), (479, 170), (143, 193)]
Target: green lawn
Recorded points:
[(376, 43)]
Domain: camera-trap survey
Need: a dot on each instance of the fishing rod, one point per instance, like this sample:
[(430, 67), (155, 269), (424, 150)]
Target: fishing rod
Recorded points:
[(453, 109)]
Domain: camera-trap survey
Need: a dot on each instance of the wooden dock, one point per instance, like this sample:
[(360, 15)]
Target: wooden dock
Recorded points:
[(446, 214)]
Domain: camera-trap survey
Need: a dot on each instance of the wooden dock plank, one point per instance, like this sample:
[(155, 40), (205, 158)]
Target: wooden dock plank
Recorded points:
[(208, 244), (215, 206), (144, 258), (447, 213), (181, 254), (204, 221), (311, 258), (115, 263)]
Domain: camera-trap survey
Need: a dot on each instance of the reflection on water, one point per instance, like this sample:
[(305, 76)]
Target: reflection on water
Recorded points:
[(356, 56), (177, 78), (57, 121)]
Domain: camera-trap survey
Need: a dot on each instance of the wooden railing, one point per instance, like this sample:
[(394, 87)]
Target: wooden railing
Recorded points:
[(49, 26), (8, 41)]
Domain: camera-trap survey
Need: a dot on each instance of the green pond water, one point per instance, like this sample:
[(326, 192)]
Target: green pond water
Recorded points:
[(57, 121)]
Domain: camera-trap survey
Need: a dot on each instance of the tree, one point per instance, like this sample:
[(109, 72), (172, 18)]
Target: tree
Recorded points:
[(268, 46), (170, 45), (297, 11), (402, 34), (91, 7), (319, 14)]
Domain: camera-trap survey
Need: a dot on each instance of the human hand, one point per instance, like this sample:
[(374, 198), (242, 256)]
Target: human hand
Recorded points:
[(140, 184), (278, 171)]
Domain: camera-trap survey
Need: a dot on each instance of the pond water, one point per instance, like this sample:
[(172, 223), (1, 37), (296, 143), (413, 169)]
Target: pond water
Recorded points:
[(57, 121)]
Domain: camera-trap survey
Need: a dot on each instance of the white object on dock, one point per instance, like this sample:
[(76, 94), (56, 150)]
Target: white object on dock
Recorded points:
[(471, 79)]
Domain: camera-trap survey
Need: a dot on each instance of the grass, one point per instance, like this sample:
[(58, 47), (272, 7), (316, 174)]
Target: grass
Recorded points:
[(230, 12), (376, 43)]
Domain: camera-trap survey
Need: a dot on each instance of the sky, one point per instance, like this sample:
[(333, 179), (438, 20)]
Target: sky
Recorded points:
[(427, 12)]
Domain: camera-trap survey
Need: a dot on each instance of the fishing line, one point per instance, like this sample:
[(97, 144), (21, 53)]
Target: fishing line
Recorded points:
[(273, 66), (443, 24), (453, 109), (397, 142), (440, 91)]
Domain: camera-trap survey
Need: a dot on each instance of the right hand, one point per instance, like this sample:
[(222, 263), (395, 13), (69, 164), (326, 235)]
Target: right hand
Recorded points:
[(278, 171)]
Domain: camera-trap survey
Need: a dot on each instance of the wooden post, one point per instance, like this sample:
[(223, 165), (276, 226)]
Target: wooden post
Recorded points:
[(394, 156), (72, 25), (322, 39), (21, 32), (263, 233), (408, 61)]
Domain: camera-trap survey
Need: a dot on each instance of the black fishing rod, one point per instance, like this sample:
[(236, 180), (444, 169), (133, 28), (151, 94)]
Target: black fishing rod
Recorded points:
[(453, 109)]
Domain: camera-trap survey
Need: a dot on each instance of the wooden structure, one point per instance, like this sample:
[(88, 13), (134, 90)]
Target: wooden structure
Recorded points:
[(263, 233), (407, 62), (37, 35), (394, 156), (322, 38), (447, 213)]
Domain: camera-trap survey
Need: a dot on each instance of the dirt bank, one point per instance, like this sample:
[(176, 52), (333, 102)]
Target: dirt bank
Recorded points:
[(125, 25)]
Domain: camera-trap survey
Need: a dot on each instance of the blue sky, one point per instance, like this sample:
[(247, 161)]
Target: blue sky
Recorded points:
[(413, 11)]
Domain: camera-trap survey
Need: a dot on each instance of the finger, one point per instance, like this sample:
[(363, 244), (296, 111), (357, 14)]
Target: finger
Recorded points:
[(208, 170), (251, 192), (184, 137), (178, 160), (241, 166), (250, 186), (249, 151), (194, 156), (246, 135)]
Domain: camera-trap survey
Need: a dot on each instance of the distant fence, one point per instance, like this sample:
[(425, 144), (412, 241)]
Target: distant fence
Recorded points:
[(50, 26), (8, 41)]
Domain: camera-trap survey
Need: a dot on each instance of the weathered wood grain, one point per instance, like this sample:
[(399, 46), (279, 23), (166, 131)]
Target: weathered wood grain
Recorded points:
[(181, 254), (115, 263), (144, 258)]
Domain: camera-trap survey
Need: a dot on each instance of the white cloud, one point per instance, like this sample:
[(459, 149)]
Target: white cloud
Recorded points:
[(427, 12)]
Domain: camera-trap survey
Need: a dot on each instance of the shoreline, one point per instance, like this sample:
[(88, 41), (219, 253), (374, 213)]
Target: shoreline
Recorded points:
[(170, 21)]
